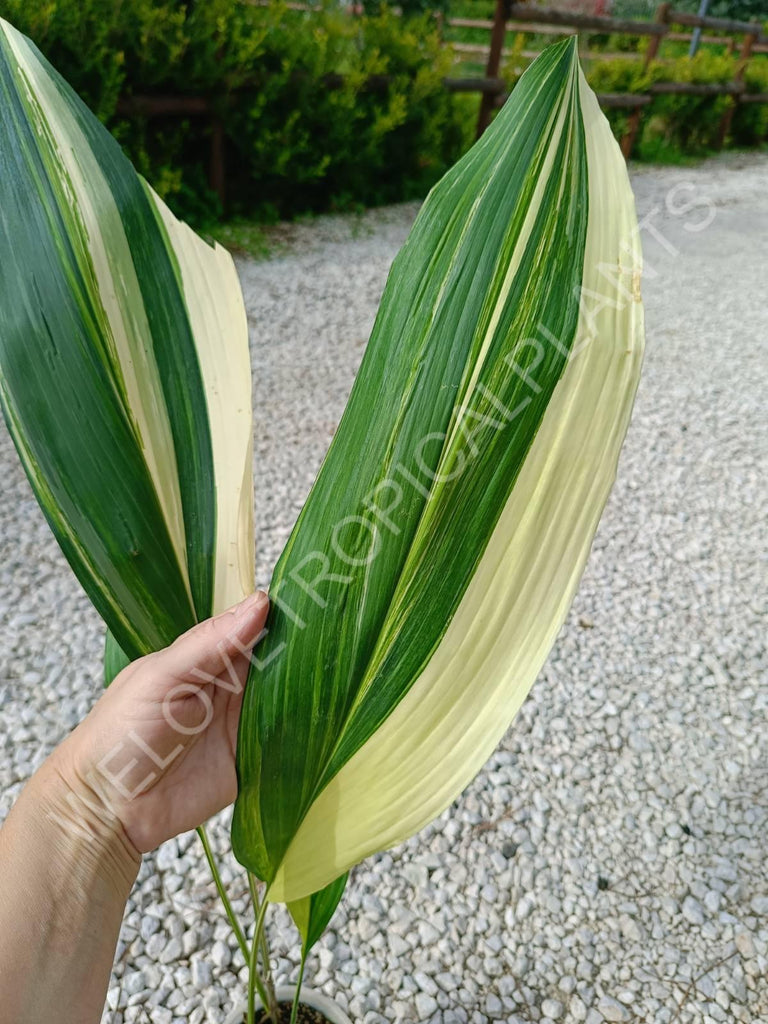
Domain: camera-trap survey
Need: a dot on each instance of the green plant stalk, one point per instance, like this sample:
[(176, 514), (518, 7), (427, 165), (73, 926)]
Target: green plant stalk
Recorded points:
[(297, 996), (264, 986), (254, 982), (228, 909), (266, 966)]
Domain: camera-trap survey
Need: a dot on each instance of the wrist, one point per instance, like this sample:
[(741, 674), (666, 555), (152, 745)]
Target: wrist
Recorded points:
[(67, 873), (85, 833)]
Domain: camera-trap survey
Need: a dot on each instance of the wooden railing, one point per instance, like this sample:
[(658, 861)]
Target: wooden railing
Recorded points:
[(493, 89), (522, 18)]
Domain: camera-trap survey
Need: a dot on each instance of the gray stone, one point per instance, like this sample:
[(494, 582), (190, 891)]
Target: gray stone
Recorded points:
[(493, 1005), (745, 945), (426, 1005), (134, 982), (612, 1010), (221, 955), (425, 983), (552, 1008), (692, 911), (201, 973)]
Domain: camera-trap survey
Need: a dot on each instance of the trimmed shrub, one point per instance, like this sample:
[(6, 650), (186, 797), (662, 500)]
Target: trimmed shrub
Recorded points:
[(690, 123), (673, 124), (750, 120), (309, 120), (619, 76)]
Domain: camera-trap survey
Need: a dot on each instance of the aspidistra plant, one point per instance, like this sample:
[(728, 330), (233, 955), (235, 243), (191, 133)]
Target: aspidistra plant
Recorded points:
[(438, 552), (125, 374)]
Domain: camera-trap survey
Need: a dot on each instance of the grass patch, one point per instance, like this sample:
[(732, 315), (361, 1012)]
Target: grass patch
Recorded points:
[(241, 238)]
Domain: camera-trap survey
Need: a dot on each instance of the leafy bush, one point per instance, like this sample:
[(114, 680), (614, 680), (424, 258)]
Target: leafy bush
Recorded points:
[(309, 121), (691, 123), (750, 120), (676, 124), (745, 10), (619, 76), (640, 9), (408, 7)]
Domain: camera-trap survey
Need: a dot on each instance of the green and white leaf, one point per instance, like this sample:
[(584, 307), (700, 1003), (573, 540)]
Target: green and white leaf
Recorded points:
[(312, 914), (437, 555), (124, 367)]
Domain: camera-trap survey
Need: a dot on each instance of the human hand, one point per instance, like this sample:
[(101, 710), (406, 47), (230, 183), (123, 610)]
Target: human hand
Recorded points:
[(156, 755)]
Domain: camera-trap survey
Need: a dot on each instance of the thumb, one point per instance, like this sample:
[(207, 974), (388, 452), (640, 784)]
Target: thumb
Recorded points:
[(208, 649)]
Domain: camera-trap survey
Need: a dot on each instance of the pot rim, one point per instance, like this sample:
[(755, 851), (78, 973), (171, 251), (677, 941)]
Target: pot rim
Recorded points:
[(308, 996), (317, 1000)]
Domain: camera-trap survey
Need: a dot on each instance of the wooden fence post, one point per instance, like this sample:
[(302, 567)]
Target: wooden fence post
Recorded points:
[(746, 52), (498, 32), (633, 122)]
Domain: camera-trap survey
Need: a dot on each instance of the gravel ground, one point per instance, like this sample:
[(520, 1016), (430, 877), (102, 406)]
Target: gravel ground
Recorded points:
[(609, 862)]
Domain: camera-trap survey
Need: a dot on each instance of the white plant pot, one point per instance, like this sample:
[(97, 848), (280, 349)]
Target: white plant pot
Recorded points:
[(308, 997)]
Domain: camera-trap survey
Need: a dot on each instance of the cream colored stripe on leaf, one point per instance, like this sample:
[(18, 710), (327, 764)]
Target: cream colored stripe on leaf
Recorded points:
[(447, 725), (214, 302)]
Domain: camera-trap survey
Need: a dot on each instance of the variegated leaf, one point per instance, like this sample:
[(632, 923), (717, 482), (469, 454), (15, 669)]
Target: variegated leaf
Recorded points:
[(436, 557), (124, 367)]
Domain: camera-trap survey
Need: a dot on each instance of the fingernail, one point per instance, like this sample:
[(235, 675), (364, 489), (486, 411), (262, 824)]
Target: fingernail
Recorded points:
[(256, 600)]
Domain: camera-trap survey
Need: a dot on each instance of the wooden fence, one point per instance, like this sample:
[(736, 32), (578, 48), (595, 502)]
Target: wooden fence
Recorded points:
[(493, 89), (532, 20)]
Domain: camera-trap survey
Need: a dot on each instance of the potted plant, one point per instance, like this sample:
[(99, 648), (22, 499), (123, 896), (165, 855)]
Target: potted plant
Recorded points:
[(308, 1006), (437, 554)]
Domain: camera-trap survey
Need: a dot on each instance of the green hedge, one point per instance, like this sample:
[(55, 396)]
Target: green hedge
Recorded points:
[(744, 10), (294, 143), (750, 121), (674, 125)]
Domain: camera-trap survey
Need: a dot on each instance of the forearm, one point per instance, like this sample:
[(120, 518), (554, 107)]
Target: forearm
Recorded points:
[(155, 757), (66, 870)]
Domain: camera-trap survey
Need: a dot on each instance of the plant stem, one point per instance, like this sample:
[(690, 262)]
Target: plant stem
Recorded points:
[(295, 1007), (254, 982), (266, 991), (239, 933), (265, 964)]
